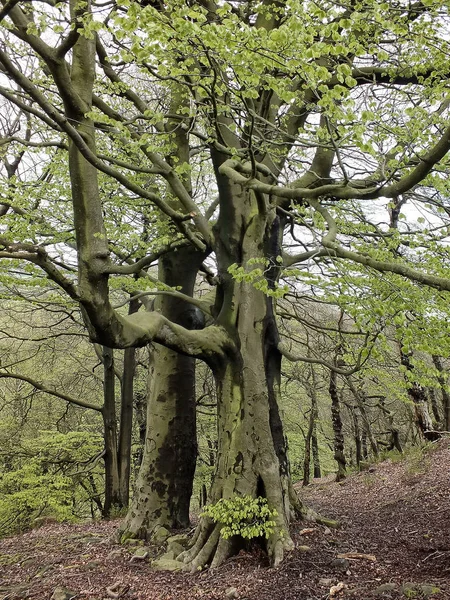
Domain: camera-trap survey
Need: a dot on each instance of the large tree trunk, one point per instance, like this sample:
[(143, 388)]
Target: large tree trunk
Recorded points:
[(164, 484), (247, 462), (251, 457)]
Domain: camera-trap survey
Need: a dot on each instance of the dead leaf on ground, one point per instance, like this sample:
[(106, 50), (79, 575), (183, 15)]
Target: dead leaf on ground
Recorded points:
[(307, 531), (335, 589)]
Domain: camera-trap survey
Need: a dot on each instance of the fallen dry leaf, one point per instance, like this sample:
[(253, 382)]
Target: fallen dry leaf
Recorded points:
[(335, 589), (307, 531)]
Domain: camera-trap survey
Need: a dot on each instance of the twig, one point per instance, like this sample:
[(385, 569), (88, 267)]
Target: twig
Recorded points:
[(137, 557), (111, 590)]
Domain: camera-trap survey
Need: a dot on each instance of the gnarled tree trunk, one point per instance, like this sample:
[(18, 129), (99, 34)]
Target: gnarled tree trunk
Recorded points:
[(247, 460), (445, 395), (418, 395), (251, 457)]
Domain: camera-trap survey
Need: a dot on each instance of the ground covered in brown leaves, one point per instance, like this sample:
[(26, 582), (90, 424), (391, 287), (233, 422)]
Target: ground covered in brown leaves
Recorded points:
[(393, 543)]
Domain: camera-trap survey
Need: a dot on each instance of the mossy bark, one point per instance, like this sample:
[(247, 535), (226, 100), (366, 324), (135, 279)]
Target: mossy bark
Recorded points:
[(247, 461), (437, 361), (418, 396), (164, 484), (251, 456)]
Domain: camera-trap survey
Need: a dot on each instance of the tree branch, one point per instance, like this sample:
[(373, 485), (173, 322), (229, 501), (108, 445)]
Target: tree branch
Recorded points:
[(335, 250), (316, 361), (46, 390)]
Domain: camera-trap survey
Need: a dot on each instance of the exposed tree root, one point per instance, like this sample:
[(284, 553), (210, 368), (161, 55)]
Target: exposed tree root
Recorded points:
[(308, 514), (277, 544), (211, 549), (204, 544), (145, 531)]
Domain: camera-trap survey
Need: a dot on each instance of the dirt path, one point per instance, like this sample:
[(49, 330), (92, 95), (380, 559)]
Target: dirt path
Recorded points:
[(398, 516)]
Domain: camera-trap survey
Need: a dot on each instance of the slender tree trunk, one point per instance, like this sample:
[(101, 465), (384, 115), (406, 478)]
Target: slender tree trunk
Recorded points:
[(357, 435), (307, 457), (113, 500), (315, 453), (364, 448), (339, 455), (359, 397), (394, 432), (126, 416), (126, 424), (445, 395), (311, 429)]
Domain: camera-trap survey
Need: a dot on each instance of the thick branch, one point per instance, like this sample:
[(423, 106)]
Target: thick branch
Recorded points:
[(355, 189), (434, 281), (201, 304)]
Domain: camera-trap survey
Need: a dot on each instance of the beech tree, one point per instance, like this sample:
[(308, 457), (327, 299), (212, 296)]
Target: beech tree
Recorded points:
[(261, 134)]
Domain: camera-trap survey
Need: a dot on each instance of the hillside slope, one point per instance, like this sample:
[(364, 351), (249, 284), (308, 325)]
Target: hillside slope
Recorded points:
[(395, 534)]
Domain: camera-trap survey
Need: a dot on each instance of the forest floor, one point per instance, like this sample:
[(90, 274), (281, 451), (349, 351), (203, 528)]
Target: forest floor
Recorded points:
[(394, 535)]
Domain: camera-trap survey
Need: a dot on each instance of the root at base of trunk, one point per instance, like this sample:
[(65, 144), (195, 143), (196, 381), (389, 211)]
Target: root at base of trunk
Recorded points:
[(209, 548), (304, 513), (156, 532)]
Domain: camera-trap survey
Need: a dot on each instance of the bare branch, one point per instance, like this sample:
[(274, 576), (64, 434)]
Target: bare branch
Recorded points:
[(46, 390)]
